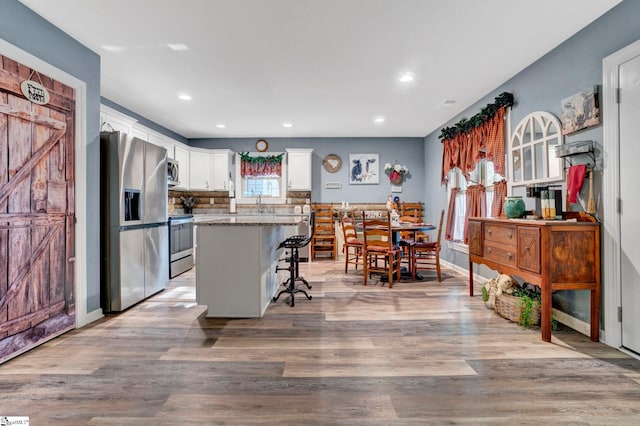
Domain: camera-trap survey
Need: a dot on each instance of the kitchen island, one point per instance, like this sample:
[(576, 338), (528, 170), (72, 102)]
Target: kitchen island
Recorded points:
[(236, 267)]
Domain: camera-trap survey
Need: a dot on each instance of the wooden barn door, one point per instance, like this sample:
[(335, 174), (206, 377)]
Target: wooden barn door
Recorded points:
[(36, 211)]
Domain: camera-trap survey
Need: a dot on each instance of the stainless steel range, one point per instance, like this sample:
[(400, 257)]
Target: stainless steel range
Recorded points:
[(180, 244)]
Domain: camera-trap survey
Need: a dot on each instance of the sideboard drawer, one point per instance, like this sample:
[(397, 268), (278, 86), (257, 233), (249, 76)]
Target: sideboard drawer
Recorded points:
[(499, 252), (503, 234)]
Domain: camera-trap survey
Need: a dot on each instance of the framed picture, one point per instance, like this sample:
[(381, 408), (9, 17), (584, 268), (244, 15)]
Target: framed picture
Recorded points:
[(580, 111), (364, 169)]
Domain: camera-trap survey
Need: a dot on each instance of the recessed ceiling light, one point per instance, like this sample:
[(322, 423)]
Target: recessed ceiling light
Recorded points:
[(407, 77), (287, 125), (178, 46), (379, 119), (220, 126), (447, 103), (184, 97), (111, 48)]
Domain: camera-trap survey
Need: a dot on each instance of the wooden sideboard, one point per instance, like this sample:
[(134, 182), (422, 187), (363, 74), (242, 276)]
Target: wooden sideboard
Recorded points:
[(552, 254)]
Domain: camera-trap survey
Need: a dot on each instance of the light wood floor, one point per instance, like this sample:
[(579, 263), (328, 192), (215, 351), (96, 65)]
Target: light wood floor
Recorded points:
[(420, 353)]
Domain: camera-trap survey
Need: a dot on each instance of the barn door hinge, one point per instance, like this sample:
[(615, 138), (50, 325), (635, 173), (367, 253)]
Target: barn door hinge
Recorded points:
[(617, 95), (619, 205), (619, 313)]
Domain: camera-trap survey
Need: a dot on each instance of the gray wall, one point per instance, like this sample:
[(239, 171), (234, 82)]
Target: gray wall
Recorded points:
[(569, 68), (23, 28), (406, 151)]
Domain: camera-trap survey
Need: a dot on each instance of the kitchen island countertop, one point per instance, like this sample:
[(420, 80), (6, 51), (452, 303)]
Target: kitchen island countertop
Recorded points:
[(257, 220)]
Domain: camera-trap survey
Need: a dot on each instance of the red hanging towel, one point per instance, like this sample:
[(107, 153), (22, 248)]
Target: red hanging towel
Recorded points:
[(575, 179)]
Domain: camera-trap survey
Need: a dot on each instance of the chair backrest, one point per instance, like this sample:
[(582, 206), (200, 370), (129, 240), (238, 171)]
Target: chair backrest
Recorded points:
[(377, 230), (312, 223), (323, 224), (409, 219), (440, 227), (411, 209), (348, 228)]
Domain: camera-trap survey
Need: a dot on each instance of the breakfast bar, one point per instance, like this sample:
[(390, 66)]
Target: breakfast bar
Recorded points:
[(236, 266)]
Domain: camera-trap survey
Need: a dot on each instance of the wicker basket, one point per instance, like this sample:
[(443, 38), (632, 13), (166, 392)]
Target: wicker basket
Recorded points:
[(509, 308)]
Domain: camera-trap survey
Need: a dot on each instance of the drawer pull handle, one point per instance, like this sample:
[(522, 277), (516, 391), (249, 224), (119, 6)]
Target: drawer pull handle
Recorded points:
[(510, 234), (489, 231), (488, 250), (510, 255)]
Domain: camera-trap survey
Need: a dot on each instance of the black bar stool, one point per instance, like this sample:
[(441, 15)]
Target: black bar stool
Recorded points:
[(293, 244)]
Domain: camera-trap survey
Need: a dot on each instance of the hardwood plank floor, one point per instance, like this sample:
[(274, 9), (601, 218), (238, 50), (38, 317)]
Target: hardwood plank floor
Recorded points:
[(419, 353)]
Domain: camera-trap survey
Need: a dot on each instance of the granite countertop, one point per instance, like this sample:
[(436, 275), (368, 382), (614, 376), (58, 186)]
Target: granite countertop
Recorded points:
[(257, 220)]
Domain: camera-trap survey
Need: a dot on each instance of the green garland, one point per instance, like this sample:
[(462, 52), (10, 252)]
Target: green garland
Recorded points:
[(485, 114), (244, 156)]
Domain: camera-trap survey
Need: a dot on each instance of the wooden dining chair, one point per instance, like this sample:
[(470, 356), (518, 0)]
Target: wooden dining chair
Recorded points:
[(324, 236), (426, 255), (380, 255), (406, 241), (414, 210), (352, 247)]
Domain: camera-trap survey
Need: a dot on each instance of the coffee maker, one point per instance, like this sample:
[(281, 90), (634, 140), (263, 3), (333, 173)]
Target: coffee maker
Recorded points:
[(536, 191)]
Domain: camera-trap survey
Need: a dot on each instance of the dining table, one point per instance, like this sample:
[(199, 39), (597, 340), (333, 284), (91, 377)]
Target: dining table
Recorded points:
[(396, 230)]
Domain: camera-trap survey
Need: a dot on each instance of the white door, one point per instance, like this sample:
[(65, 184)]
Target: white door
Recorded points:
[(629, 73)]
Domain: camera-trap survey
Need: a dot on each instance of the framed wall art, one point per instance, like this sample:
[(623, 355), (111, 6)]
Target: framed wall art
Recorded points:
[(580, 111), (364, 169)]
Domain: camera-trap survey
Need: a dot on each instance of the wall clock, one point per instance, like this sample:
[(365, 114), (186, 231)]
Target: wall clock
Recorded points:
[(332, 163), (262, 145)]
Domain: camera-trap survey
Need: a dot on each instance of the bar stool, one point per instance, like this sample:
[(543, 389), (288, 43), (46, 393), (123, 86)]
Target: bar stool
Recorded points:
[(294, 244)]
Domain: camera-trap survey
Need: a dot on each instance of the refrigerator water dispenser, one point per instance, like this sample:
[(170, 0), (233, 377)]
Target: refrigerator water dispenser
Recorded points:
[(131, 205)]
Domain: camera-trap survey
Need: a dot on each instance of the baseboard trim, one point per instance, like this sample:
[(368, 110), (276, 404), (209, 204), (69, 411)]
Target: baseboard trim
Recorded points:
[(562, 317)]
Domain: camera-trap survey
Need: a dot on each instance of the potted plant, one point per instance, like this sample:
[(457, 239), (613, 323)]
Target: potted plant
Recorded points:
[(521, 306), (188, 203)]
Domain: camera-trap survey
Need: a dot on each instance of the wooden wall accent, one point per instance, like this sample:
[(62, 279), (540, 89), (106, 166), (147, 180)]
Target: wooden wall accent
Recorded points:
[(37, 209)]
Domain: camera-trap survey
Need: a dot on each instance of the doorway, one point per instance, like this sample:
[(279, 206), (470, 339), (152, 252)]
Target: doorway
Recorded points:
[(37, 229), (622, 231)]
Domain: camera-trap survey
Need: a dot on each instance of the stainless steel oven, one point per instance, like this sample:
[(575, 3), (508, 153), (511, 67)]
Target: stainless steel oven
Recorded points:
[(180, 244)]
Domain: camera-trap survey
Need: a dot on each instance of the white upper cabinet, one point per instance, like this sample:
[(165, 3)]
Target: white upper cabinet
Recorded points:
[(220, 169), (199, 170), (182, 156), (112, 120), (299, 169), (140, 132)]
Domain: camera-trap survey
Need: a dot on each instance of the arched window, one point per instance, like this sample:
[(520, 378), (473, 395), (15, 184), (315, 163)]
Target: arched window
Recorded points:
[(532, 157)]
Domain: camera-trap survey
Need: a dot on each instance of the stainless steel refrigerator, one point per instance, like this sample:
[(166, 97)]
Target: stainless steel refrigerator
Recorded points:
[(134, 230)]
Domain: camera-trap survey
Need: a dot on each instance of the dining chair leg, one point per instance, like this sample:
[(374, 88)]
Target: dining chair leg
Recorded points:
[(365, 268)]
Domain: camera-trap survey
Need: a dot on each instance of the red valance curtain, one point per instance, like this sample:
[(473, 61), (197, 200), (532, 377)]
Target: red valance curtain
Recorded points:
[(465, 150), (476, 202), (261, 168)]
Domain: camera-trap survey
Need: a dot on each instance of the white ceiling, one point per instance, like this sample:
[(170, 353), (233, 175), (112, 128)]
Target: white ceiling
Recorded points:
[(329, 67)]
